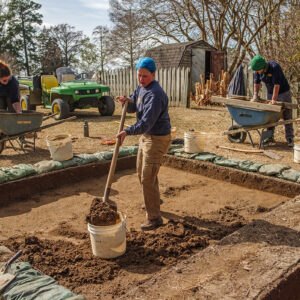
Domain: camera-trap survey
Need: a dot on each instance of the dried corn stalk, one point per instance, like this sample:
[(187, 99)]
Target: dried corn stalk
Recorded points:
[(204, 91)]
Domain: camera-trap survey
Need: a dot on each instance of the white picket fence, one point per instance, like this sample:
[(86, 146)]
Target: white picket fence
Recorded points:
[(175, 82)]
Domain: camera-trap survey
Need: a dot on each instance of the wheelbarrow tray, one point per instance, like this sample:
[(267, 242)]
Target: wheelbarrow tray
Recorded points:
[(251, 117), (13, 123)]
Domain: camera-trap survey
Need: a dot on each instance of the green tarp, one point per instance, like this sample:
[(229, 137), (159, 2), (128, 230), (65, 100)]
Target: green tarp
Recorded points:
[(30, 284)]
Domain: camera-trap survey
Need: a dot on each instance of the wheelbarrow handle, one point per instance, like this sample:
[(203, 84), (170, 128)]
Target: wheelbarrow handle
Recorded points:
[(16, 256)]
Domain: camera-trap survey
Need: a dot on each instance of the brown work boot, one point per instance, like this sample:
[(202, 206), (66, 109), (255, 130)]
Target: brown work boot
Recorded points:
[(152, 224)]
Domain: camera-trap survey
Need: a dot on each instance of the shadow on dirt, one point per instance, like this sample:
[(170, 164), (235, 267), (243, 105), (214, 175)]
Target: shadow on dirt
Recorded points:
[(260, 231)]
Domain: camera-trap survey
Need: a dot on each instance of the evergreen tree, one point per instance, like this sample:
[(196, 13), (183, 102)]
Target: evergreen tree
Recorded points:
[(22, 18)]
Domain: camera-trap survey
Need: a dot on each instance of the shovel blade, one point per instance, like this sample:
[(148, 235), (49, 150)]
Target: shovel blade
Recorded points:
[(271, 154), (5, 280)]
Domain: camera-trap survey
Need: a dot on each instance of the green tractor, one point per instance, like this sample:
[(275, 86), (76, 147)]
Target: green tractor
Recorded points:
[(63, 94)]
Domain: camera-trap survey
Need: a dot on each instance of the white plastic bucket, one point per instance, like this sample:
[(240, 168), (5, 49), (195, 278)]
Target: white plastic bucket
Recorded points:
[(109, 241), (194, 142), (297, 153), (60, 147)]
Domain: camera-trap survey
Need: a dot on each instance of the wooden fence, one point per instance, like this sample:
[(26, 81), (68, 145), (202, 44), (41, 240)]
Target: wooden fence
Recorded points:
[(176, 82)]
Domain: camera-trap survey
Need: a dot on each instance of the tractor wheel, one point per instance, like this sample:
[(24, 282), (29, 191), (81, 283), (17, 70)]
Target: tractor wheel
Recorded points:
[(25, 105), (106, 106), (2, 144), (61, 109), (238, 137)]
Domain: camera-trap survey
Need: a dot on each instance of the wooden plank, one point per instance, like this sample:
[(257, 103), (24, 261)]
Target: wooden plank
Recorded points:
[(169, 85), (184, 87), (278, 103), (245, 129), (173, 87), (178, 86), (246, 104)]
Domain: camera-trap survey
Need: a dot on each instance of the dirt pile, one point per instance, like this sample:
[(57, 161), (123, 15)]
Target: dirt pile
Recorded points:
[(102, 213), (74, 265)]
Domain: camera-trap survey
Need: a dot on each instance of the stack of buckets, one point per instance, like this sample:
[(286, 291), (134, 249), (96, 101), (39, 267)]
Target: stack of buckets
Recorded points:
[(194, 142), (109, 241)]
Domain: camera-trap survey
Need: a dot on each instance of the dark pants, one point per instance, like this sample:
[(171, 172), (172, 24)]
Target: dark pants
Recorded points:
[(5, 104), (287, 114)]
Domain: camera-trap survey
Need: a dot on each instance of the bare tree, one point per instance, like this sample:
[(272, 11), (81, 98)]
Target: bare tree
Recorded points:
[(281, 43), (69, 42), (128, 34), (226, 24), (101, 36)]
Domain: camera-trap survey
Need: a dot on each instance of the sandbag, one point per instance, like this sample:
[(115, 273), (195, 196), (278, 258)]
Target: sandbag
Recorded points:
[(74, 161), (19, 171), (124, 151), (30, 284), (3, 177), (84, 158), (107, 155), (272, 169), (206, 156), (227, 162), (47, 166), (133, 150), (290, 174), (186, 155)]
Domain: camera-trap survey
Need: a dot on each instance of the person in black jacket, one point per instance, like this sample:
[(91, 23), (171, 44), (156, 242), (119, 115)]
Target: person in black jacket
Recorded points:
[(9, 90), (278, 89)]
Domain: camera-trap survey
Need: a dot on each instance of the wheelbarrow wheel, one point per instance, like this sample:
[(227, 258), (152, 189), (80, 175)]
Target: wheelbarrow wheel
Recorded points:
[(2, 144), (238, 137)]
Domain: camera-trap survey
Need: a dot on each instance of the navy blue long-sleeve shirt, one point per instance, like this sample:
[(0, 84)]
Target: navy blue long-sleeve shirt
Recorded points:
[(151, 108), (11, 90), (273, 76)]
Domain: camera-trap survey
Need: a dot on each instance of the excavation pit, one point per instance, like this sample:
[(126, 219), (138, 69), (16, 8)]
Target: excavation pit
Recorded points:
[(198, 212)]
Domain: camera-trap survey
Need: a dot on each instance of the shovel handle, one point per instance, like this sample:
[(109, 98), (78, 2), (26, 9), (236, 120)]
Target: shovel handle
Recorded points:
[(16, 256), (115, 155)]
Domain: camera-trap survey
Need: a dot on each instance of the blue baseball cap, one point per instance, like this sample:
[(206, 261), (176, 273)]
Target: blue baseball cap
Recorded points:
[(146, 63)]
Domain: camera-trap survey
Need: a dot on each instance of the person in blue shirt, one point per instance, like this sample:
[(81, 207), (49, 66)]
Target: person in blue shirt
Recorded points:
[(9, 90), (150, 103), (278, 89)]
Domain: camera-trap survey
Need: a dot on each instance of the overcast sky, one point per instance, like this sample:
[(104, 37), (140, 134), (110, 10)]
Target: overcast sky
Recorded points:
[(84, 15)]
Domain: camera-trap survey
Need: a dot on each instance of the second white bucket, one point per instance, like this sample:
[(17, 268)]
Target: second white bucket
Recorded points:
[(297, 153), (109, 241), (60, 147), (194, 142)]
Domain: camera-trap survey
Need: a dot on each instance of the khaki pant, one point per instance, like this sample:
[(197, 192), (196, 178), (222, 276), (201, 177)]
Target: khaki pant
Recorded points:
[(151, 151)]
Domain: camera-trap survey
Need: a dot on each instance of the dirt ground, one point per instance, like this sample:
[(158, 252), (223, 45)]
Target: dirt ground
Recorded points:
[(212, 119), (51, 230)]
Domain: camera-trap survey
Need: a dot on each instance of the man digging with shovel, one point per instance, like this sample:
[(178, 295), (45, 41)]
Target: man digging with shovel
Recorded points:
[(153, 122)]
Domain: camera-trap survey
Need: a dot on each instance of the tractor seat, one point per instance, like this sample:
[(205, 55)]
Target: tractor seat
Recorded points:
[(48, 82)]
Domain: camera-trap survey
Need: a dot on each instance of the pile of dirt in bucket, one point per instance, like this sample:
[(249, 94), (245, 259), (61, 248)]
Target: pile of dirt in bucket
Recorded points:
[(102, 213), (75, 266)]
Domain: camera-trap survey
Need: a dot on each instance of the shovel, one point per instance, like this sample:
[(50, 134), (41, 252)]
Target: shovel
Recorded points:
[(267, 153), (115, 157), (6, 278)]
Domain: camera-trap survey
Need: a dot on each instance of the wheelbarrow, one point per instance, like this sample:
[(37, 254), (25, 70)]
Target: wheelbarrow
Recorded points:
[(15, 126), (252, 116)]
